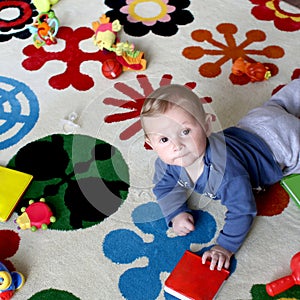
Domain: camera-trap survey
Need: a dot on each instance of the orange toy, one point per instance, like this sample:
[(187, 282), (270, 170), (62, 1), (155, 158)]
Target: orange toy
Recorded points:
[(256, 71)]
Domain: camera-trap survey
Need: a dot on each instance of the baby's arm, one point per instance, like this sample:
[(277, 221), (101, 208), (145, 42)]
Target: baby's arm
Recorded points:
[(219, 257), (183, 223), (171, 196), (241, 209)]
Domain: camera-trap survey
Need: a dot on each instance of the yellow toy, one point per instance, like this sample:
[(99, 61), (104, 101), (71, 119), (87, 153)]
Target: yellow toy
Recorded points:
[(105, 37), (44, 5)]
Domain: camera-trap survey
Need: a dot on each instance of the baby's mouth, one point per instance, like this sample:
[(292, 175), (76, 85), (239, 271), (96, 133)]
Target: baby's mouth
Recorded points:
[(180, 156)]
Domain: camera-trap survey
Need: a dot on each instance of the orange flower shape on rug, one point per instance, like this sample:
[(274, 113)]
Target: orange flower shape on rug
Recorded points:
[(230, 51)]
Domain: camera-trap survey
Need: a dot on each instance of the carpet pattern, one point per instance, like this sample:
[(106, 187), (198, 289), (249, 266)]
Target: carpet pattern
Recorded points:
[(79, 134)]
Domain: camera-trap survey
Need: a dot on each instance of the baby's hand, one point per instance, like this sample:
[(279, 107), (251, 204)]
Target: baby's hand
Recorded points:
[(219, 256), (183, 224)]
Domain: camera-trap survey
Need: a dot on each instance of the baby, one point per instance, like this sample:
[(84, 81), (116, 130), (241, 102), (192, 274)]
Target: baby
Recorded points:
[(226, 166)]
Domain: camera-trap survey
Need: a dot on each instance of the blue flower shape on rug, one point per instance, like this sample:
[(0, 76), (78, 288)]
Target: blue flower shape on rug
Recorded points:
[(124, 246), (19, 111), (139, 17)]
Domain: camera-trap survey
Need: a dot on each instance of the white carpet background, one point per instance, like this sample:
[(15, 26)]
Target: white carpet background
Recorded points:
[(266, 254)]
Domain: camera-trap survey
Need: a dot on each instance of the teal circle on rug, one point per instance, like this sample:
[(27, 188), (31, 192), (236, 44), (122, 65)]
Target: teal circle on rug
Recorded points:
[(84, 180)]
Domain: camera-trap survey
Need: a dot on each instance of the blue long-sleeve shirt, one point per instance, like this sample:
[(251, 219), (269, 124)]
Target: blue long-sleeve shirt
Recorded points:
[(235, 162)]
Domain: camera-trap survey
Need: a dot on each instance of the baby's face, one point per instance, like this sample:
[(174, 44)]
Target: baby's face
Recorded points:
[(176, 137)]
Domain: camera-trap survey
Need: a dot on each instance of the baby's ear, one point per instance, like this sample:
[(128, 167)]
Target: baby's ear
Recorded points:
[(208, 124)]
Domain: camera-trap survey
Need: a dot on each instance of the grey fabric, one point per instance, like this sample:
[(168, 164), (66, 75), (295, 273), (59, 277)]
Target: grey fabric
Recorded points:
[(277, 123)]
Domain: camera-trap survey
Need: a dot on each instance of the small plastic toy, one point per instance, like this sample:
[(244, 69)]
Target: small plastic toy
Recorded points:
[(111, 69), (105, 38), (280, 285), (36, 215), (256, 71), (44, 5), (70, 124), (9, 282), (44, 29)]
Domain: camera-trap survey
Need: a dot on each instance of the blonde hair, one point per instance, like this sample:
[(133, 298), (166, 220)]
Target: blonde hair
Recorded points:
[(165, 97)]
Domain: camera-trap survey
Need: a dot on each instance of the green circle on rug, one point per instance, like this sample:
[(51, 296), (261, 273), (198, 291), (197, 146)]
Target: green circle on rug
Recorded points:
[(84, 180), (258, 292), (53, 294)]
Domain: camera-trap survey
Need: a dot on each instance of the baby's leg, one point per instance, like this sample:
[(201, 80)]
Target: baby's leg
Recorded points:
[(277, 123), (288, 98)]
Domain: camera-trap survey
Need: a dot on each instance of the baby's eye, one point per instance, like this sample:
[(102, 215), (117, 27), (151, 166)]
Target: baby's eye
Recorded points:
[(164, 140), (185, 131)]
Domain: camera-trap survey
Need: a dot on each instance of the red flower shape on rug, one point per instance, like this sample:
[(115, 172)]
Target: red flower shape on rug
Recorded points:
[(9, 245), (270, 10), (135, 102), (72, 56), (271, 201), (17, 26), (296, 74), (230, 51)]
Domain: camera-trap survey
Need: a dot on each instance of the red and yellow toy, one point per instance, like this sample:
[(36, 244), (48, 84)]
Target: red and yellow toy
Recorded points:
[(256, 71), (36, 215), (105, 38)]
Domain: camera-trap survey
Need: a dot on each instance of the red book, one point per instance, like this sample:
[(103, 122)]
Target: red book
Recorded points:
[(192, 280)]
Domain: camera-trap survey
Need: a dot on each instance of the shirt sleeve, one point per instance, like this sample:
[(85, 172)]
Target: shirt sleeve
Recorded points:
[(239, 200), (170, 195)]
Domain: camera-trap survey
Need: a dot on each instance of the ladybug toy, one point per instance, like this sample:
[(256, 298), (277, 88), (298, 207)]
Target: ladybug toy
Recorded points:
[(37, 215)]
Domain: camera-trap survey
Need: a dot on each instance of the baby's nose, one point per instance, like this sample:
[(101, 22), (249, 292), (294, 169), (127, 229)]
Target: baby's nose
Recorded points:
[(177, 146)]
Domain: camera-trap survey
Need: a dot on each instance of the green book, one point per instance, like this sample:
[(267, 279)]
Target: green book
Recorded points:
[(291, 184)]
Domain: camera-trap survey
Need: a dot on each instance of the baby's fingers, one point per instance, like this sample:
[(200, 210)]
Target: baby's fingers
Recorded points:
[(216, 259), (182, 232), (221, 261), (227, 263), (190, 227), (205, 256)]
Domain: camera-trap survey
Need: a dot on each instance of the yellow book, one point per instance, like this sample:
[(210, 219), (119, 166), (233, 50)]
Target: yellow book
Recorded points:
[(12, 186)]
